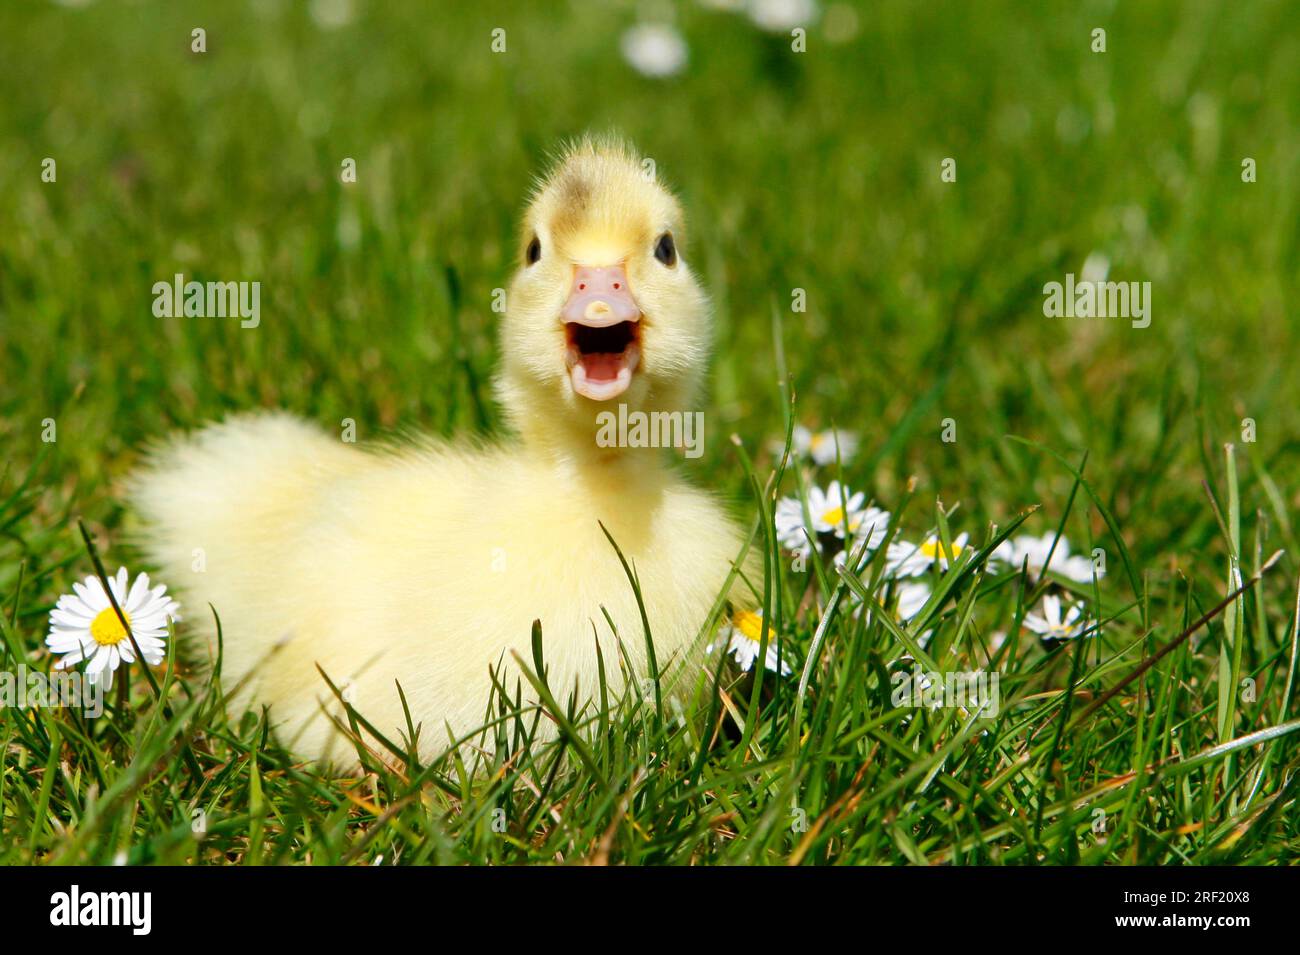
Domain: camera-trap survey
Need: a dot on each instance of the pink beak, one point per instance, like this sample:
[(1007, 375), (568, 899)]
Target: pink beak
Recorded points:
[(600, 297)]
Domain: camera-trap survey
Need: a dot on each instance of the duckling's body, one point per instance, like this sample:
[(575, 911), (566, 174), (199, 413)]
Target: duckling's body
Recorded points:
[(427, 565), (423, 565)]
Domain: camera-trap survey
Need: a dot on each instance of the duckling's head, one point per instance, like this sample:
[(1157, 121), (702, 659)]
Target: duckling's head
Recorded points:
[(602, 310)]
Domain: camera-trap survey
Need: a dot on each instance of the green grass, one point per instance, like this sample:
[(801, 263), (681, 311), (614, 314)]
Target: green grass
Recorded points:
[(817, 171)]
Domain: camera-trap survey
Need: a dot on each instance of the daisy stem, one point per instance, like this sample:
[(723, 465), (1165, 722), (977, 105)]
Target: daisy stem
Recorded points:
[(766, 635), (187, 751), (103, 579)]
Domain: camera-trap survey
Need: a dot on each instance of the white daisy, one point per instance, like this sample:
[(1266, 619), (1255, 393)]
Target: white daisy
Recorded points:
[(744, 634), (831, 509), (1033, 551), (331, 14), (790, 526), (912, 596), (827, 514), (1049, 623), (909, 597), (654, 49), (84, 625), (800, 442), (823, 445), (905, 559), (819, 446), (1079, 569), (781, 16), (1095, 268), (871, 526)]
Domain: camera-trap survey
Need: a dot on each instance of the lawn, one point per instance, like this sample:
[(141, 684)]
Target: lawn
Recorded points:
[(874, 219)]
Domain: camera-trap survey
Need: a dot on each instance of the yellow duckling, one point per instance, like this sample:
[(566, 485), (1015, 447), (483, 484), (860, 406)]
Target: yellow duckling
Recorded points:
[(428, 564)]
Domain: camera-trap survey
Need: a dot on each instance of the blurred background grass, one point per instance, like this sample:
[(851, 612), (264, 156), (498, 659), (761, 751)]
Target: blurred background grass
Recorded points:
[(817, 170)]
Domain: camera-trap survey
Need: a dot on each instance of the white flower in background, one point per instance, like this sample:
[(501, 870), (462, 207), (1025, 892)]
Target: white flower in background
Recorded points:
[(331, 14), (912, 595), (84, 625), (1079, 569), (870, 527), (1095, 268), (841, 23), (829, 511), (781, 16), (905, 559), (819, 446), (726, 6), (822, 446), (654, 49), (800, 441), (744, 634), (1051, 625), (1033, 551), (790, 527)]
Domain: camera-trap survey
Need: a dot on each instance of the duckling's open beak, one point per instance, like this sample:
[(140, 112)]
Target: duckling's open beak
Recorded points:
[(602, 331)]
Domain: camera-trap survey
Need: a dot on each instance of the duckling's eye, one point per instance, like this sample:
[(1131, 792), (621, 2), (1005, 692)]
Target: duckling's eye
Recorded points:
[(534, 251), (665, 250)]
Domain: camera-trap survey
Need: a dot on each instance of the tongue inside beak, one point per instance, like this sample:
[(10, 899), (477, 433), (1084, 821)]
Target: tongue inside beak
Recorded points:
[(601, 361)]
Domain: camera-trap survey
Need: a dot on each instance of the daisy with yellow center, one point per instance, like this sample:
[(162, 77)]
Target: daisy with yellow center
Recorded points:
[(834, 517), (932, 547), (831, 509), (85, 627), (1051, 625), (744, 636), (107, 629), (835, 513), (911, 560)]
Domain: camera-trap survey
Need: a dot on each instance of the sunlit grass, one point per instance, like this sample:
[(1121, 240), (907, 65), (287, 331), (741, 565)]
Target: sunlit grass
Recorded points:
[(817, 172)]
